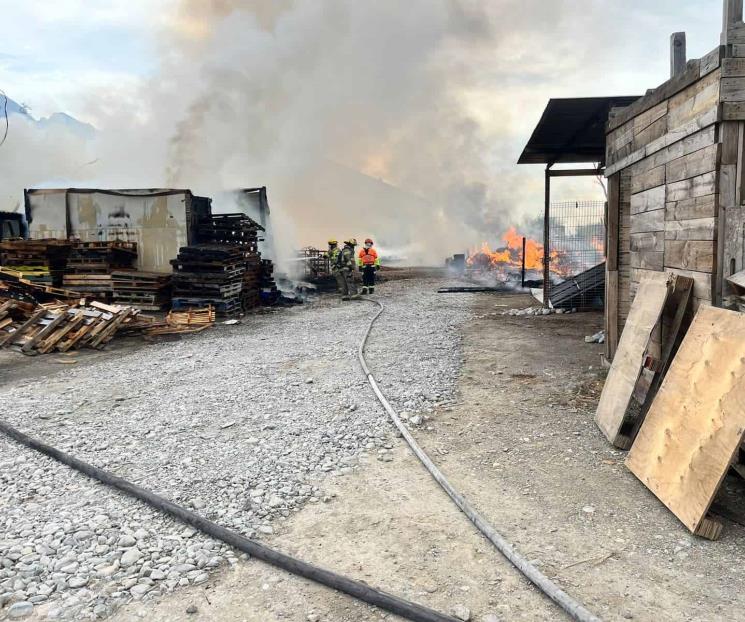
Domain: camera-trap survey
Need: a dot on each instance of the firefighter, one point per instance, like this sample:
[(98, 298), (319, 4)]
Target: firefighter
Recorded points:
[(345, 265), (368, 263), (333, 254)]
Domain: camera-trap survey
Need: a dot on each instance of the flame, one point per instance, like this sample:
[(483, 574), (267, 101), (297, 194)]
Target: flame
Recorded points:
[(510, 255)]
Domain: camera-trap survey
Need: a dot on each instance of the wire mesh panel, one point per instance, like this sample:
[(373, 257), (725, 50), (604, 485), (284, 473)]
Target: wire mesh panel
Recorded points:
[(577, 254)]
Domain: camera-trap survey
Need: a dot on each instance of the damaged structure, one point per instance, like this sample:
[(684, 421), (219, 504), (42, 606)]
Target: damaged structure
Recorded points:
[(159, 221)]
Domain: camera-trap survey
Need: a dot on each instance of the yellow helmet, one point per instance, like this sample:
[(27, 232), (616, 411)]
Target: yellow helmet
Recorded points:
[(332, 242), (351, 242)]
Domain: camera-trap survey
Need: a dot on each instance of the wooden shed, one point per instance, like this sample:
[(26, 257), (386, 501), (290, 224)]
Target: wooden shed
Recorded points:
[(674, 162)]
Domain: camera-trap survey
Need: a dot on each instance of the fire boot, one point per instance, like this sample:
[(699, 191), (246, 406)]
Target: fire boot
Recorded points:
[(364, 291), (371, 290)]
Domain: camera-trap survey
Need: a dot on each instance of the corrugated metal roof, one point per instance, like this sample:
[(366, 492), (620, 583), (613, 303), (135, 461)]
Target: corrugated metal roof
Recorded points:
[(572, 130)]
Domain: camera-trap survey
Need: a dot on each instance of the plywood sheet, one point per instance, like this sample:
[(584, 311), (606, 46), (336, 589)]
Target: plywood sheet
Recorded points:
[(627, 363), (697, 421)]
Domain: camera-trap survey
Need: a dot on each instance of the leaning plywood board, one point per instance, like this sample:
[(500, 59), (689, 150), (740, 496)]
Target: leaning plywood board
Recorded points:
[(632, 348), (697, 421)]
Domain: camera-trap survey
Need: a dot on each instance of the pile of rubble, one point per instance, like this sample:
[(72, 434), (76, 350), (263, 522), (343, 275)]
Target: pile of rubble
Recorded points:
[(537, 311)]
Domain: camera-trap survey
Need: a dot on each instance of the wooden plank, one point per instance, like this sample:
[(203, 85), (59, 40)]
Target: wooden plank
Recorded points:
[(738, 50), (649, 117), (647, 260), (729, 134), (649, 134), (11, 337), (702, 282), (733, 90), (611, 313), (693, 164), (648, 200), (733, 111), (690, 137), (651, 241), (645, 180), (728, 185), (711, 61), (689, 255), (699, 229), (690, 209), (697, 421), (627, 363), (736, 35), (691, 188), (648, 221), (693, 102), (733, 68), (44, 332)]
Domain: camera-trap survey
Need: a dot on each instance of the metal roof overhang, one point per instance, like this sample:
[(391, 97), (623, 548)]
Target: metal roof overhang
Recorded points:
[(572, 130)]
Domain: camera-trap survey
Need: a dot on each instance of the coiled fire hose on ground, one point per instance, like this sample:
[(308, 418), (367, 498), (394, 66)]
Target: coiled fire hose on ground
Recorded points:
[(574, 608)]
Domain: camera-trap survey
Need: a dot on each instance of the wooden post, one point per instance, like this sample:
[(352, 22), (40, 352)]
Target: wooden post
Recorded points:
[(677, 53), (731, 16), (611, 265), (547, 241)]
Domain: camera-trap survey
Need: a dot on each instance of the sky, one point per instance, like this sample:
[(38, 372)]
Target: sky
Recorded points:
[(436, 99)]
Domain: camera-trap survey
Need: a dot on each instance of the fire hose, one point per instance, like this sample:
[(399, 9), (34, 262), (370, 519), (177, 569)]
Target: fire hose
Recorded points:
[(571, 606), (356, 589)]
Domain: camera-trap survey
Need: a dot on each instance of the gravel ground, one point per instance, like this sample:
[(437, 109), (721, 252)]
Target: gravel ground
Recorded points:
[(241, 424)]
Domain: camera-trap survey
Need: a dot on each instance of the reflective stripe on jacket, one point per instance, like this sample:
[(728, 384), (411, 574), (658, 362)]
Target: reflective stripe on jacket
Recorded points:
[(368, 257)]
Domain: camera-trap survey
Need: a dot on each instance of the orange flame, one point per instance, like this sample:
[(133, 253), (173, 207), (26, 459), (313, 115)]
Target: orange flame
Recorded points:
[(510, 255)]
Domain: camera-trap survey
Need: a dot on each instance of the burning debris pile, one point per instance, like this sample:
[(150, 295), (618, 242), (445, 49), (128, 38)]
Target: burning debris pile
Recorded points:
[(507, 262)]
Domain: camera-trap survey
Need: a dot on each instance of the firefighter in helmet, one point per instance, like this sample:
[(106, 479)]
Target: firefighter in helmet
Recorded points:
[(333, 255), (345, 265), (368, 263)]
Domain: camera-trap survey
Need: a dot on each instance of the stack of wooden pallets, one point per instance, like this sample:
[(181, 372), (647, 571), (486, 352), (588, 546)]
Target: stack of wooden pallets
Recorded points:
[(90, 265), (243, 232), (208, 275), (148, 291), (38, 261)]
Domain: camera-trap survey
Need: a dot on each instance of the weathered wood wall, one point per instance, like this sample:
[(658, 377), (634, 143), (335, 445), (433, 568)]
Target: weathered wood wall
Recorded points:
[(680, 148)]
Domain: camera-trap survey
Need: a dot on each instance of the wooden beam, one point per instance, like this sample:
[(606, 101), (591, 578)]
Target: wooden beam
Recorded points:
[(575, 172), (677, 53), (731, 15)]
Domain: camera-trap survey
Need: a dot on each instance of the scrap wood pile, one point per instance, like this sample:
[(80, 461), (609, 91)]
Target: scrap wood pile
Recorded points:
[(241, 231), (48, 327), (90, 266), (190, 321), (39, 261), (674, 396), (14, 285), (147, 291), (208, 275)]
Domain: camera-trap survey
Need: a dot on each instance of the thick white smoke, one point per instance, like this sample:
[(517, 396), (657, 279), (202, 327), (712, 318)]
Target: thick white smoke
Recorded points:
[(400, 121)]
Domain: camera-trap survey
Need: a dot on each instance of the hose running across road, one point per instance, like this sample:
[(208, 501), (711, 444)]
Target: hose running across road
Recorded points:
[(573, 607)]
